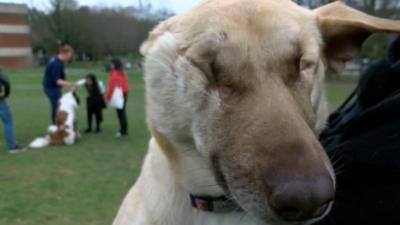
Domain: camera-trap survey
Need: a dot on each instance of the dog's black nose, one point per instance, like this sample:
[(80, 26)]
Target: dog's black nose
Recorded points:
[(302, 200)]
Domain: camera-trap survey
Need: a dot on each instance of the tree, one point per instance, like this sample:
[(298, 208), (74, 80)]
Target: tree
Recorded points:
[(98, 32)]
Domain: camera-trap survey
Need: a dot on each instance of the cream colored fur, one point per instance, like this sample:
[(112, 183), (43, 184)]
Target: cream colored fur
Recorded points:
[(184, 104)]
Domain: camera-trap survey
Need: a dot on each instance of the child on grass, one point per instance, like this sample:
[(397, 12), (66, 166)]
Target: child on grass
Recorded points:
[(94, 102)]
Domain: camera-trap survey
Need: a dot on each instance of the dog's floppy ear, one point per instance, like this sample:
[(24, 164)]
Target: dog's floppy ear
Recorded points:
[(344, 29), (76, 97), (159, 30), (61, 117)]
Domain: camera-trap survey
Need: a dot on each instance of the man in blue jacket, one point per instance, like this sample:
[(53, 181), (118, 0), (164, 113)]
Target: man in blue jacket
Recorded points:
[(54, 78)]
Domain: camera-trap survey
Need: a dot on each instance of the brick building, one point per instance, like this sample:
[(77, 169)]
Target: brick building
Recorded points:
[(15, 36)]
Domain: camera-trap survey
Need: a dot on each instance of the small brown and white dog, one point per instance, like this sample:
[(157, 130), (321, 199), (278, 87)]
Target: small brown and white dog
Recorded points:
[(65, 131), (234, 103)]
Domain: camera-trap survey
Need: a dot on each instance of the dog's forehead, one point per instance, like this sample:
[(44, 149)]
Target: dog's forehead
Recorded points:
[(247, 36), (257, 25), (270, 43)]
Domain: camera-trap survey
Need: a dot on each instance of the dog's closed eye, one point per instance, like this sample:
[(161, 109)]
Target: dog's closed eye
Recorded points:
[(307, 66), (308, 69)]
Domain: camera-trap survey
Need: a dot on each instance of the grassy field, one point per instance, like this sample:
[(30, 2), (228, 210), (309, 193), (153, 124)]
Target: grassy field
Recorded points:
[(83, 184)]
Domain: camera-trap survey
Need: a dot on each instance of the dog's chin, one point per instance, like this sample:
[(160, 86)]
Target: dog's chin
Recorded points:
[(270, 218), (275, 221)]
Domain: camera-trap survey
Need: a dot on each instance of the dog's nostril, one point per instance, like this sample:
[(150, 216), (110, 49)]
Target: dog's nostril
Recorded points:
[(300, 211), (289, 213), (320, 211), (288, 208), (300, 201)]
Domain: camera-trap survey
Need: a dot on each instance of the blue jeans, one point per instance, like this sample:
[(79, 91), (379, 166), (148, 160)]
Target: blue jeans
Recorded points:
[(54, 95), (7, 119)]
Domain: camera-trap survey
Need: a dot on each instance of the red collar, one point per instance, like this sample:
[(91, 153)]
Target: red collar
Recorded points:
[(214, 204)]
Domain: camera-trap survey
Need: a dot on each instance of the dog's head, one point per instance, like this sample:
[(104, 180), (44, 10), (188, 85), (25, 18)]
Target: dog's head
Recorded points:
[(69, 101), (235, 100), (61, 118)]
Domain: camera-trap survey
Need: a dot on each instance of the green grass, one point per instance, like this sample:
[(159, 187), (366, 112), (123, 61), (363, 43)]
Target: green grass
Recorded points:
[(83, 184), (338, 91)]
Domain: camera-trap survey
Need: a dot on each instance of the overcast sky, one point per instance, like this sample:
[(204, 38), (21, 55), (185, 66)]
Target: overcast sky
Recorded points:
[(178, 6)]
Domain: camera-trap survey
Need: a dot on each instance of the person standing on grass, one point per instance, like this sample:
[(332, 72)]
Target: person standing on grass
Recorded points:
[(119, 78), (54, 78), (5, 115), (95, 100)]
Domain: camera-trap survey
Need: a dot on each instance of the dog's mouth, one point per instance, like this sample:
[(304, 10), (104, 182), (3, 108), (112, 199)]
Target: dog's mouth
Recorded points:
[(262, 206)]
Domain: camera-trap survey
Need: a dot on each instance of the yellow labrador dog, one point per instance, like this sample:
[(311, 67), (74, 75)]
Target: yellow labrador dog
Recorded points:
[(234, 104)]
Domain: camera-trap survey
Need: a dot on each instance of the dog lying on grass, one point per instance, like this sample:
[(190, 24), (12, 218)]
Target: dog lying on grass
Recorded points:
[(234, 92), (65, 131)]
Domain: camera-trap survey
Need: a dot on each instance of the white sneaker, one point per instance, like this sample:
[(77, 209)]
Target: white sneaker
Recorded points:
[(17, 151), (118, 135)]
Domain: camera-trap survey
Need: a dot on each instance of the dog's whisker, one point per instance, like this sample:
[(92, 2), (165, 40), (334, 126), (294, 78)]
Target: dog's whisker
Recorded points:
[(242, 216), (341, 168), (336, 160)]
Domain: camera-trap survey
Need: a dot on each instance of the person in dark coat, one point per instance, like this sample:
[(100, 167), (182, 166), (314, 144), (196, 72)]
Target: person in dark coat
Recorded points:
[(55, 79), (95, 102), (363, 140)]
